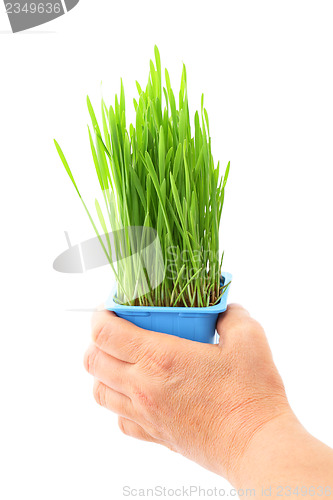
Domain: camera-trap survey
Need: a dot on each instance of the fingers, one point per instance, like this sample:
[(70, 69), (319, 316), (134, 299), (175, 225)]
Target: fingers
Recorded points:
[(113, 400), (111, 371), (232, 315), (118, 337), (132, 429), (234, 322), (123, 340), (135, 430)]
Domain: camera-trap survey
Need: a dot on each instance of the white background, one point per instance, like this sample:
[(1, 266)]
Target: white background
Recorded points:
[(266, 70)]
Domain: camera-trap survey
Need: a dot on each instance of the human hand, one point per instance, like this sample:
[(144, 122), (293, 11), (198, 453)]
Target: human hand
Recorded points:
[(204, 401)]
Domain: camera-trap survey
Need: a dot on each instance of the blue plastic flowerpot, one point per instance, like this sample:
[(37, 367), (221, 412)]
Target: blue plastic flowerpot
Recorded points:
[(192, 323)]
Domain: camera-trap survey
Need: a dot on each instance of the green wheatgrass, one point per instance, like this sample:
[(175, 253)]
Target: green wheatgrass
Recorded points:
[(156, 174)]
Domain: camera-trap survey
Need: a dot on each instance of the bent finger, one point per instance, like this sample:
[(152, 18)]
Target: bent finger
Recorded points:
[(230, 322), (111, 371), (135, 430), (124, 340), (113, 400), (132, 429)]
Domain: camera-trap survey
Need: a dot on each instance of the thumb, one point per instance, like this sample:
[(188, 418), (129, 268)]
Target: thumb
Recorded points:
[(232, 323)]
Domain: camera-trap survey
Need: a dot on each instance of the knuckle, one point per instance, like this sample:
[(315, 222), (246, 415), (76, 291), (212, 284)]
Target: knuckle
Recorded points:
[(130, 428), (240, 325), (163, 361), (247, 328), (254, 326), (159, 362), (122, 424), (96, 331), (100, 332), (90, 360), (99, 392)]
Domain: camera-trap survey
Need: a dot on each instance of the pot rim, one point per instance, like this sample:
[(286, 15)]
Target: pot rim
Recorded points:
[(221, 306)]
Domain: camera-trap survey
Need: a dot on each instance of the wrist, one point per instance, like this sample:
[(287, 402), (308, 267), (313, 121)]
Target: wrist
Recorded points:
[(282, 453), (263, 448)]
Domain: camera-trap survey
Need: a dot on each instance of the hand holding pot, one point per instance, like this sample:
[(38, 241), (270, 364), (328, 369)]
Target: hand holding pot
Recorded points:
[(223, 406), (204, 401)]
